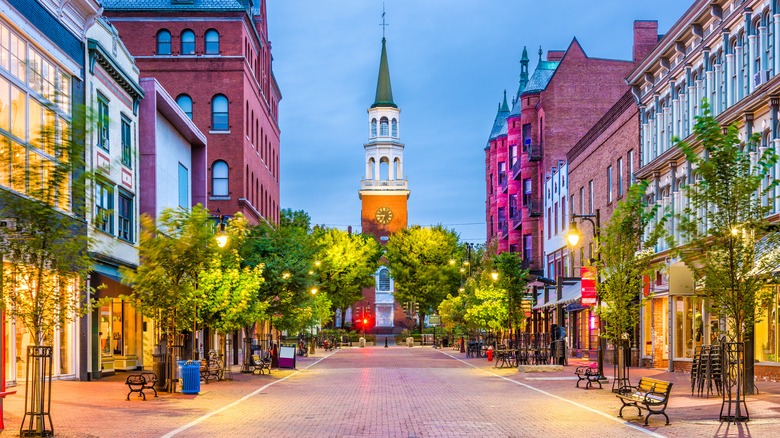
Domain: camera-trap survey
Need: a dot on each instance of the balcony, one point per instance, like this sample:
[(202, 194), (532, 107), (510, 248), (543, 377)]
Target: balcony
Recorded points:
[(504, 184), (529, 264), (503, 228), (517, 219), (534, 206), (534, 151), (516, 170), (372, 184)]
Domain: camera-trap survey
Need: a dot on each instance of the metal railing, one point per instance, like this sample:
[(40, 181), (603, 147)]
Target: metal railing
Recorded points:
[(399, 184), (534, 151), (516, 169), (535, 207), (517, 218)]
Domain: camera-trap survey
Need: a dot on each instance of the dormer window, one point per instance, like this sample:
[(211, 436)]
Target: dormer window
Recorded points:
[(383, 127)]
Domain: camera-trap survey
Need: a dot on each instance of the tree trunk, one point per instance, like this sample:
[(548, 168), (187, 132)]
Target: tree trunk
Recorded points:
[(749, 361), (422, 322), (343, 318)]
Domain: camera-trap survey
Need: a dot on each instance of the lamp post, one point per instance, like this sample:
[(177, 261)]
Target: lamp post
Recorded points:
[(574, 237), (221, 236)]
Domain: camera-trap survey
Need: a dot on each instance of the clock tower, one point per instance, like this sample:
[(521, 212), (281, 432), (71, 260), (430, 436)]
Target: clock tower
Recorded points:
[(384, 190)]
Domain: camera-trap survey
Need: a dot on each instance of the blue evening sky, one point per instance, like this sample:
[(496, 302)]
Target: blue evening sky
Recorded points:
[(450, 61)]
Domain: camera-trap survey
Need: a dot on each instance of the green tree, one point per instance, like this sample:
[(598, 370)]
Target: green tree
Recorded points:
[(44, 245), (227, 291), (419, 261), (348, 263), (513, 280), (489, 306), (286, 254), (622, 265), (173, 250), (724, 220)]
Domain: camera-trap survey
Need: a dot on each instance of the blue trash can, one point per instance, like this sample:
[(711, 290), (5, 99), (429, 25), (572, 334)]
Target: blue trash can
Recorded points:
[(189, 370)]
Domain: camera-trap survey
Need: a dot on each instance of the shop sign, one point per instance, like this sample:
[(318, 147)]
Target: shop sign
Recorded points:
[(646, 285), (434, 320), (588, 286)]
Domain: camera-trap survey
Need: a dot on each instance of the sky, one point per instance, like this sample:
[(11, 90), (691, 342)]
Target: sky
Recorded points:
[(450, 62)]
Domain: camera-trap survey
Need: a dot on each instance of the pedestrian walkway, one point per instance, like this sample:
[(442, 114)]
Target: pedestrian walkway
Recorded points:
[(388, 392), (381, 339)]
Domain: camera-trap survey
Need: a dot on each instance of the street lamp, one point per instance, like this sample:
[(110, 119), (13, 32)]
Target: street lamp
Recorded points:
[(494, 275), (574, 237), (222, 236), (314, 291)]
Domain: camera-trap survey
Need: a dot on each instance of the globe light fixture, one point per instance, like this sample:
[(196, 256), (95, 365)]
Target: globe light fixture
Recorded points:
[(222, 238), (452, 261), (286, 275), (574, 235), (317, 263), (314, 291), (494, 274)]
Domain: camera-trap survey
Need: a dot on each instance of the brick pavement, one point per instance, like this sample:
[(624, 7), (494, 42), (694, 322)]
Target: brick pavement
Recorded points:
[(393, 392)]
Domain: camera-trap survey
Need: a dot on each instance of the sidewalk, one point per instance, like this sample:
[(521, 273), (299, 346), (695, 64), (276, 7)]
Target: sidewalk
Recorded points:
[(689, 415), (100, 408)]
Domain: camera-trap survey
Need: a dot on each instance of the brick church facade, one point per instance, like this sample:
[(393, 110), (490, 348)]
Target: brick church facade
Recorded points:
[(214, 58)]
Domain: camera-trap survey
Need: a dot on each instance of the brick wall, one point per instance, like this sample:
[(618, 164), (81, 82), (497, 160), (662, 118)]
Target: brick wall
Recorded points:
[(371, 203), (251, 147)]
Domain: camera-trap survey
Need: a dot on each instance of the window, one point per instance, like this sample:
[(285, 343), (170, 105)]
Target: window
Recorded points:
[(184, 183), (163, 42), (590, 189), (102, 131), (104, 207), (395, 128), (630, 160), (512, 155), (219, 113), (125, 218), (555, 219), (620, 177), (18, 56), (219, 179), (491, 183), (527, 248), (185, 103), (609, 183), (527, 133), (383, 282), (212, 42), (373, 128), (41, 75), (582, 200), (501, 173), (127, 143), (549, 223), (383, 128), (63, 94), (526, 192), (188, 42), (564, 222), (512, 205)]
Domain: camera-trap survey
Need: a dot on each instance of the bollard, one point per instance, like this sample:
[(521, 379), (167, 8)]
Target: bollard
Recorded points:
[(385, 341), (490, 354), (462, 345)]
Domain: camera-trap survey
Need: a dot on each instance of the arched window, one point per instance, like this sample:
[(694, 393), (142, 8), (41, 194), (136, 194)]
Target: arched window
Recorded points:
[(188, 42), (212, 42), (219, 179), (383, 128), (770, 53), (163, 42), (185, 103), (384, 169), (373, 128), (370, 170), (383, 280), (395, 128), (397, 168), (219, 113)]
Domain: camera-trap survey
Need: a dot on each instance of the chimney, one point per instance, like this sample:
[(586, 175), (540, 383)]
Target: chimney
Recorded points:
[(645, 38), (555, 55), (349, 230)]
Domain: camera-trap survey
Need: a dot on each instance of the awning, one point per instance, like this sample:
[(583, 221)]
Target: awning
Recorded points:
[(570, 293), (112, 289)]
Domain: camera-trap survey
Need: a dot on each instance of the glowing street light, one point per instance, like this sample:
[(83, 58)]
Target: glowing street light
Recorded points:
[(286, 275), (574, 235), (494, 274), (314, 291)]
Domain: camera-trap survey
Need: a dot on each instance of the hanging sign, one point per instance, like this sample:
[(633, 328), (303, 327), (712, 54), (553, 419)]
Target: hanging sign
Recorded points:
[(588, 282)]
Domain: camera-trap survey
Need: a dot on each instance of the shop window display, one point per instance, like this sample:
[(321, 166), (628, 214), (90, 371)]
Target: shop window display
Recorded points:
[(689, 326), (766, 331)]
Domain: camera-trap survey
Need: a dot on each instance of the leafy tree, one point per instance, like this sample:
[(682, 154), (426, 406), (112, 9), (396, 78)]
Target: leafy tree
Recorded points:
[(173, 250), (622, 265), (453, 311), (227, 291), (348, 263), (418, 259), (286, 254), (723, 222), (489, 307), (513, 280)]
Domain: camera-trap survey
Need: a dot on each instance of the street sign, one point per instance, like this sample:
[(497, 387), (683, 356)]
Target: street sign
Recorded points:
[(588, 284), (434, 320)]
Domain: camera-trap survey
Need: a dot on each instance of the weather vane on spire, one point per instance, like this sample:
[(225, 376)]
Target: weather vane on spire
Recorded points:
[(384, 25)]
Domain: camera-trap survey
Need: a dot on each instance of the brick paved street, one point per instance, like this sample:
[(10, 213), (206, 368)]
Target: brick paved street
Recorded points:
[(394, 392)]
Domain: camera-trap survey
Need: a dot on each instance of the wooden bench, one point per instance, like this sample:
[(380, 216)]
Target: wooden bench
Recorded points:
[(588, 373), (211, 369), (259, 364), (650, 394), (139, 382)]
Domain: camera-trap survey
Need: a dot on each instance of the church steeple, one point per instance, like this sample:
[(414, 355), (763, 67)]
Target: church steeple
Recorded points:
[(384, 91)]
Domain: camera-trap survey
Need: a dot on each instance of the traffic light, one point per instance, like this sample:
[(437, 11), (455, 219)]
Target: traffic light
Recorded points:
[(416, 308)]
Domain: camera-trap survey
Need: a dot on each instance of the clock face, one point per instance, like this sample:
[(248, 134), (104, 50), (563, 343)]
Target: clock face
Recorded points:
[(384, 215)]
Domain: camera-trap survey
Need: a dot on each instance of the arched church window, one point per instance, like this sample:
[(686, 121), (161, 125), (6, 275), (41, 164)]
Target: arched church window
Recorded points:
[(383, 127), (373, 128), (395, 128), (383, 280)]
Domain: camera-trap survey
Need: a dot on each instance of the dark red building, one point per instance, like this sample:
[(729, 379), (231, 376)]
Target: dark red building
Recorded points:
[(553, 108), (214, 57)]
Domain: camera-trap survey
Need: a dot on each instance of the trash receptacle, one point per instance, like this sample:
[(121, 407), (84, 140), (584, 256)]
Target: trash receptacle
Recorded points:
[(189, 370)]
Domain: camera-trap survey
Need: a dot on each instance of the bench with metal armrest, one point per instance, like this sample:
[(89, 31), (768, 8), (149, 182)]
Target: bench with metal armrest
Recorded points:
[(139, 382), (260, 364), (650, 394), (588, 373)]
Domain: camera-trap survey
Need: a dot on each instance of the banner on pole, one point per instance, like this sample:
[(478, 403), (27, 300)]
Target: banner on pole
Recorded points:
[(588, 282)]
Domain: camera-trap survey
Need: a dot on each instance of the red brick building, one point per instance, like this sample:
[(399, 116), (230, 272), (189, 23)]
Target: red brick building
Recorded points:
[(214, 57), (564, 97)]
